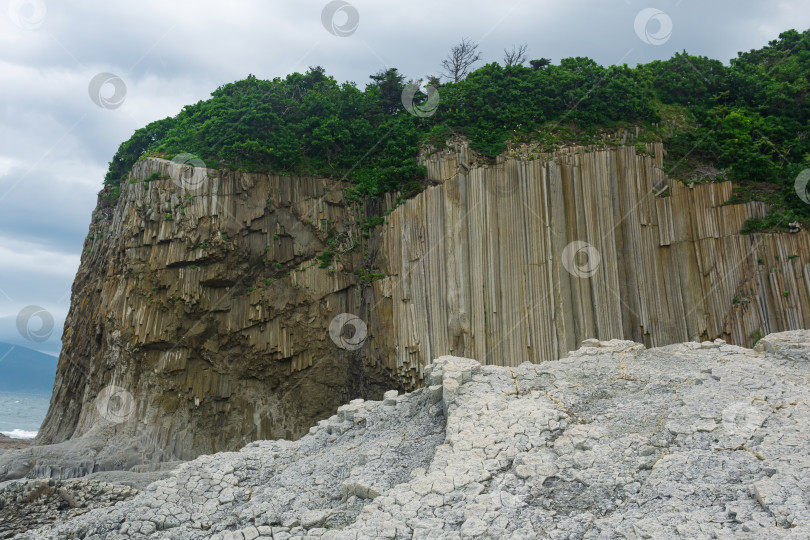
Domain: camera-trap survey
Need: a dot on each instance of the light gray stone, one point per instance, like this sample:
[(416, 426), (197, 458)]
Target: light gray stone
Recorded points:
[(693, 440)]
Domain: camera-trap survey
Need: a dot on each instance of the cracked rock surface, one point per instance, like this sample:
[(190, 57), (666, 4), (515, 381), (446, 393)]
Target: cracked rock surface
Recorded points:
[(693, 440), (28, 505)]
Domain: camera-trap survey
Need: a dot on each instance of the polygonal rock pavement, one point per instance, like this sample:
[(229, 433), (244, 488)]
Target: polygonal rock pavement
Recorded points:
[(694, 440)]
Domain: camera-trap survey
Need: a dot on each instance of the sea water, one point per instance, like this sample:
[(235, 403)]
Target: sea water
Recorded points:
[(22, 414)]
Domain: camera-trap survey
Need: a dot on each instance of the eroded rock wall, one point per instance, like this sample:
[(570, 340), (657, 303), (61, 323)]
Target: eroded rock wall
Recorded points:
[(201, 310), (525, 258), (200, 313)]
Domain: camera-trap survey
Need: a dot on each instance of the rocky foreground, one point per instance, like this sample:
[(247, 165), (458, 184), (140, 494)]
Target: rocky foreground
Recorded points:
[(7, 443), (694, 440)]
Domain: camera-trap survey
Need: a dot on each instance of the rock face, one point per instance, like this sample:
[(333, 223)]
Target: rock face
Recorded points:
[(213, 308), (200, 316), (699, 440), (25, 506), (526, 258)]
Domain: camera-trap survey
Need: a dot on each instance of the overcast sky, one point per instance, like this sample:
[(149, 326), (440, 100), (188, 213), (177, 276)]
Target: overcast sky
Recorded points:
[(55, 141)]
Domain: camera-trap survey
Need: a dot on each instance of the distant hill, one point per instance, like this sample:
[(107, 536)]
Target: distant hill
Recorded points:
[(25, 370)]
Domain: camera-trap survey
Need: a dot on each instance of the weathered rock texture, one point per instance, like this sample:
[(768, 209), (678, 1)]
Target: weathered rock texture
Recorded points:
[(199, 316), (700, 440), (477, 265), (201, 310), (25, 506)]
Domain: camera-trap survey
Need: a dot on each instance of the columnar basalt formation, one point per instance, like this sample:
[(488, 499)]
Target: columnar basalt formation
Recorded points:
[(525, 258), (200, 303), (203, 303)]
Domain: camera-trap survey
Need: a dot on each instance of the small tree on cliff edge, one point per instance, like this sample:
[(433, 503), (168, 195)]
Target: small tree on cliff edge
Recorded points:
[(461, 58), (540, 63), (390, 83), (516, 56), (433, 80)]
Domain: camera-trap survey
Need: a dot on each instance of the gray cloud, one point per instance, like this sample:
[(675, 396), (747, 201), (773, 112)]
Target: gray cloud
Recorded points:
[(57, 142)]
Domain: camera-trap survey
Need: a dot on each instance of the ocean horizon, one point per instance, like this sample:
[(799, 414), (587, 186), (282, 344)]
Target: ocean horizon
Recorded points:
[(21, 414)]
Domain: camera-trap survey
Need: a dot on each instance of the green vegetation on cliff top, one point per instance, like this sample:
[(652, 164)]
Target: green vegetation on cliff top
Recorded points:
[(748, 122)]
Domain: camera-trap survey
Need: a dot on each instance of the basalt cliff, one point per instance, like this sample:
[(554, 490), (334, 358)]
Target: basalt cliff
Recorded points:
[(213, 308)]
